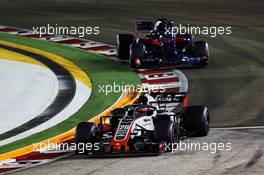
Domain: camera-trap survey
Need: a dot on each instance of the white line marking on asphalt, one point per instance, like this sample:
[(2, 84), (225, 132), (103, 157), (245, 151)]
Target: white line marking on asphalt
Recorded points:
[(238, 128)]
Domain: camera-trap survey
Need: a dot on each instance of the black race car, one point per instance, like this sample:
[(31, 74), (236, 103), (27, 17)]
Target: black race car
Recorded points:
[(161, 47)]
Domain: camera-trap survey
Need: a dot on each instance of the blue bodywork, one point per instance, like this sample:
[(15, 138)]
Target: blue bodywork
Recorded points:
[(165, 47)]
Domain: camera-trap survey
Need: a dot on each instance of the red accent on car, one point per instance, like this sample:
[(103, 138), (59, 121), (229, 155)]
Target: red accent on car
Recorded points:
[(118, 144), (105, 127), (206, 60), (152, 41), (162, 145), (137, 61), (156, 42), (181, 39), (186, 101), (146, 40)]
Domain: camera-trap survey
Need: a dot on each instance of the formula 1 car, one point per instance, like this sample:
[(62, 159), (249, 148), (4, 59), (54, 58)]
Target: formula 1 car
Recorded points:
[(161, 47), (144, 127)]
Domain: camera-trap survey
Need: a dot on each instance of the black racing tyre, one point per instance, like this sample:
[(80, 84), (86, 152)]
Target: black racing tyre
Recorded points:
[(166, 131), (196, 121), (137, 54), (85, 134), (201, 48), (123, 44)]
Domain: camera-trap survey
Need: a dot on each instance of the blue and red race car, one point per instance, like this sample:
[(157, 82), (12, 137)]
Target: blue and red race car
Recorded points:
[(161, 47)]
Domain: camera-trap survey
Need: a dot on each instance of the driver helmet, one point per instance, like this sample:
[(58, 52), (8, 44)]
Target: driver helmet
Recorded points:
[(163, 25), (144, 111)]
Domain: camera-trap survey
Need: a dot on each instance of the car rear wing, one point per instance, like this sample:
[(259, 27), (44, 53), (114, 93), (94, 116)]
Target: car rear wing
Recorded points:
[(168, 101), (144, 26), (169, 97)]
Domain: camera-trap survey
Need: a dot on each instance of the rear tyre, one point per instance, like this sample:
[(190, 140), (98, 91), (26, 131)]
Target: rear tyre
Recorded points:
[(196, 121), (123, 44), (85, 134), (201, 49), (137, 54), (166, 131)]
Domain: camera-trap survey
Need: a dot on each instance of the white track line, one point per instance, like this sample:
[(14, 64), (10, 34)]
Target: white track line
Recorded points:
[(239, 128)]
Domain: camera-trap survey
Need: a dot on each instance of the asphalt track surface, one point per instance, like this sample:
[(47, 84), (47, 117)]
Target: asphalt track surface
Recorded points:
[(232, 85), (244, 160)]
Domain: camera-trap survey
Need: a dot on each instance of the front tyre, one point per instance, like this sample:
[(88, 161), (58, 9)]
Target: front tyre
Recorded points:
[(85, 134), (201, 49), (168, 132), (123, 45), (137, 55)]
